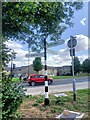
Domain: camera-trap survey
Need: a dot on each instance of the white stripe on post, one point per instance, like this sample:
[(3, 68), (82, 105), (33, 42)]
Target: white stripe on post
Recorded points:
[(46, 83), (46, 94), (45, 72)]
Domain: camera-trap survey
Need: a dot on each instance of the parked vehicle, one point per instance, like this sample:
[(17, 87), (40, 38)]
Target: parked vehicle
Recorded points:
[(35, 78)]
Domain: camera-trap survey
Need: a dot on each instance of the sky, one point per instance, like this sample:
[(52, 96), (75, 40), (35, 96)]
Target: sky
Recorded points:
[(58, 56)]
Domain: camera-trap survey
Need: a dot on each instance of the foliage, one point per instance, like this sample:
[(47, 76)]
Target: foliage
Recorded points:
[(76, 65), (37, 65), (33, 22), (40, 99), (35, 104), (86, 66), (12, 94), (43, 108), (6, 53)]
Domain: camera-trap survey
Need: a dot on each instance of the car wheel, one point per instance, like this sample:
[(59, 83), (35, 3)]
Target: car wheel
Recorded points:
[(32, 83), (49, 82)]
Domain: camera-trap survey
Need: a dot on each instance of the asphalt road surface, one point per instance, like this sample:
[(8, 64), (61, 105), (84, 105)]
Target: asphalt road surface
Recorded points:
[(59, 85)]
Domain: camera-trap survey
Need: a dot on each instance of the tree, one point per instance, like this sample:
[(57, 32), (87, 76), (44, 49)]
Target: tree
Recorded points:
[(33, 22), (12, 93), (77, 65), (37, 65), (5, 51), (86, 66)]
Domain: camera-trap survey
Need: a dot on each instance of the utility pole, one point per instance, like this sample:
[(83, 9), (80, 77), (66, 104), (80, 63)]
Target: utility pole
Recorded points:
[(46, 102)]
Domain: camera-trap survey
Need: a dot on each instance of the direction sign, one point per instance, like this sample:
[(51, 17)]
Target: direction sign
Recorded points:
[(52, 44), (72, 42), (34, 55)]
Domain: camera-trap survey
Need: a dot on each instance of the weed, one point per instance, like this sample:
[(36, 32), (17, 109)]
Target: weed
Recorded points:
[(40, 100), (43, 108), (35, 104)]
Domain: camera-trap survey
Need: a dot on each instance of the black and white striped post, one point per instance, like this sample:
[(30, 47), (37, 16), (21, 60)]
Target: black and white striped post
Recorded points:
[(46, 102)]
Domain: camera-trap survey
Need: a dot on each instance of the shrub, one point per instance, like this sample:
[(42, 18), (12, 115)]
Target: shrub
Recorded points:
[(12, 95)]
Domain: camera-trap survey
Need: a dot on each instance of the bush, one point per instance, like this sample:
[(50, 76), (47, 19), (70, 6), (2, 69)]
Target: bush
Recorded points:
[(12, 95)]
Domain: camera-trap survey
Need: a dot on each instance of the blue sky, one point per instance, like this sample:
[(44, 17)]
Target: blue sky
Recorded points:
[(61, 56), (78, 27)]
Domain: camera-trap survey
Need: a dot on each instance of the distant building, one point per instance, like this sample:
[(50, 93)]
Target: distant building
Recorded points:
[(50, 70), (53, 71), (64, 70)]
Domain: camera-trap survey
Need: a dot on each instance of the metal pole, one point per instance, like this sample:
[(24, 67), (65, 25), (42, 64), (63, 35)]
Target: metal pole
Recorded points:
[(28, 57), (46, 102), (74, 86), (11, 65)]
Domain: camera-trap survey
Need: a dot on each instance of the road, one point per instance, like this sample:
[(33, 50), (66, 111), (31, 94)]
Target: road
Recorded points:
[(60, 85)]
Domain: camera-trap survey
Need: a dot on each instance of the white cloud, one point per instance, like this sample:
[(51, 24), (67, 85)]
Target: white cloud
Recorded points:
[(83, 21), (18, 48), (13, 45), (82, 58), (82, 42), (62, 56)]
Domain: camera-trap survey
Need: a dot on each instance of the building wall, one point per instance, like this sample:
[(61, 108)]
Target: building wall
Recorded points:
[(24, 71), (51, 70), (64, 70)]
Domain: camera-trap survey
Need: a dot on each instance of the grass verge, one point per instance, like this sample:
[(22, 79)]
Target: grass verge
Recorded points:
[(33, 106), (15, 79), (65, 77)]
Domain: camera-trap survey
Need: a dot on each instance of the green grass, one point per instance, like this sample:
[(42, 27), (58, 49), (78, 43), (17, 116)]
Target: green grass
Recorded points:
[(15, 79), (65, 77), (60, 77), (58, 104)]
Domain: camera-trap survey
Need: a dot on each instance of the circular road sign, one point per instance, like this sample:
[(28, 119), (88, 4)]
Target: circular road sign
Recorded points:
[(72, 43)]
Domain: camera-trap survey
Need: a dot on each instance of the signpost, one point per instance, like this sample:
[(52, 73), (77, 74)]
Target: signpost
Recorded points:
[(34, 55), (56, 43), (46, 102), (71, 44), (52, 44)]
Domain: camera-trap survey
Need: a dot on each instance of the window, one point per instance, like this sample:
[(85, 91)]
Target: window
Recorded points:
[(37, 76), (41, 76)]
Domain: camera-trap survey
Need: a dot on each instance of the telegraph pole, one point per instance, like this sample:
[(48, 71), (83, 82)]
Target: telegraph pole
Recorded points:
[(46, 102)]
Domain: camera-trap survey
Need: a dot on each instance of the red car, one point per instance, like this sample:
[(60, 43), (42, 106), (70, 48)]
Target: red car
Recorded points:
[(35, 78)]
